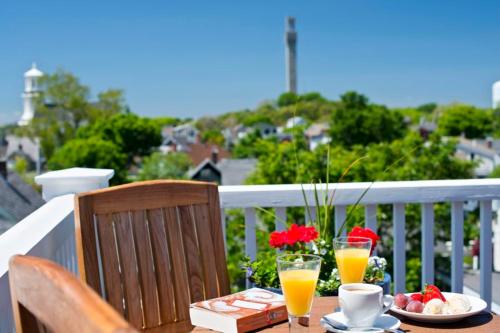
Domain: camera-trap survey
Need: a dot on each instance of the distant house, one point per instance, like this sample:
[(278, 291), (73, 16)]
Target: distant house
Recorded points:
[(236, 171), (178, 138), (200, 151), (317, 134), (284, 137), (476, 150), (206, 171), (426, 128), (294, 122), (171, 144), (26, 148), (225, 172), (17, 198), (266, 129)]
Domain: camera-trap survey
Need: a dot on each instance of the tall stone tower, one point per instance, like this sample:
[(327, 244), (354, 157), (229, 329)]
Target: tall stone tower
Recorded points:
[(291, 55), (30, 91)]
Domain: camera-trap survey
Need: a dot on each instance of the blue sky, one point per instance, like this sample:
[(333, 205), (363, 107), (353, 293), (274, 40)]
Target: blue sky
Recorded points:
[(193, 58)]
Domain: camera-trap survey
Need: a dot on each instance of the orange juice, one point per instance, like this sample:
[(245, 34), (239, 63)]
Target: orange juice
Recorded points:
[(352, 264), (298, 288)]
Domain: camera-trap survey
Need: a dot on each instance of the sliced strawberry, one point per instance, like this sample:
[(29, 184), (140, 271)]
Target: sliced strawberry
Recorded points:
[(417, 297)]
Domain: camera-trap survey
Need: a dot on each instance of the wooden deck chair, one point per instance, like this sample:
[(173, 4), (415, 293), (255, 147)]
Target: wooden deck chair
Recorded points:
[(151, 248), (48, 298)]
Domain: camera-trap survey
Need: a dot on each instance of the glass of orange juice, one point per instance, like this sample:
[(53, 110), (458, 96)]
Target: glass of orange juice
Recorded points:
[(351, 254), (298, 275)]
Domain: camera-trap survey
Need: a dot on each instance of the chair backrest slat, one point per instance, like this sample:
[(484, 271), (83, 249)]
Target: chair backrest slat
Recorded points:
[(146, 268), (207, 259), (162, 262), (110, 262), (128, 264), (192, 253), (160, 245), (178, 264), (88, 264), (48, 299)]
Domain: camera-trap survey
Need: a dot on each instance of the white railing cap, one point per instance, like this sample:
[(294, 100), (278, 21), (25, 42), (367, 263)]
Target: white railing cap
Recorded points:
[(73, 180), (420, 191), (75, 174)]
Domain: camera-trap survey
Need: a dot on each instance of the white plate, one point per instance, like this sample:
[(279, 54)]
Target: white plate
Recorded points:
[(477, 305), (385, 321)]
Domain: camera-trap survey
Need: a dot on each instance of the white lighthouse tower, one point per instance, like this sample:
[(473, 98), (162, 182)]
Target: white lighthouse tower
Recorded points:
[(30, 92), (496, 95)]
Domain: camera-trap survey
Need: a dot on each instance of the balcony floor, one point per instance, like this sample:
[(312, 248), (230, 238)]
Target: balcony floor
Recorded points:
[(471, 280)]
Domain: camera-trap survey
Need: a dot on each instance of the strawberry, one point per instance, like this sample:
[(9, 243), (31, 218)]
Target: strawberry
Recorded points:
[(417, 297), (430, 294), (430, 287)]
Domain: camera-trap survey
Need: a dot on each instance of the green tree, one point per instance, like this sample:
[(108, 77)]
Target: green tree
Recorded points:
[(63, 106), (21, 165), (356, 121), (165, 166), (311, 96), (496, 122), (287, 98), (427, 108), (459, 119), (252, 145), (495, 173), (91, 152), (134, 135), (109, 103), (166, 121), (213, 137)]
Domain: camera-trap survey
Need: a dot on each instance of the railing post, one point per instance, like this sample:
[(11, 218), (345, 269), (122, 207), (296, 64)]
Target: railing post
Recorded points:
[(371, 217), (427, 243), (399, 249), (485, 251), (74, 180), (280, 220), (457, 246), (340, 216), (250, 238)]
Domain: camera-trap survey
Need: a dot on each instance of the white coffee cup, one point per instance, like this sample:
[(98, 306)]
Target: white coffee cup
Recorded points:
[(363, 303)]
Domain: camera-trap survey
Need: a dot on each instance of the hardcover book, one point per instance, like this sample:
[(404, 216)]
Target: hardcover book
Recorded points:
[(245, 311)]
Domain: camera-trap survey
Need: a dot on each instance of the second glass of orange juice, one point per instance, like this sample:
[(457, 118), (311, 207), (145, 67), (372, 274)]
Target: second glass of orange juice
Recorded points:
[(351, 254), (298, 274)]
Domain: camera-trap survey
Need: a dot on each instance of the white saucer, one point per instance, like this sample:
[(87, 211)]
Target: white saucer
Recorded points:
[(385, 321)]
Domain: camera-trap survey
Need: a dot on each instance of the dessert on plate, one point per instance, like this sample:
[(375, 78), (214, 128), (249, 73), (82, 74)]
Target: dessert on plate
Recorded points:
[(432, 302)]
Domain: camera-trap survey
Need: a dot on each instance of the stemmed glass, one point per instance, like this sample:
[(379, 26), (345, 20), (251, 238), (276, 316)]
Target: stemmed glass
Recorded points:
[(351, 254), (298, 274)]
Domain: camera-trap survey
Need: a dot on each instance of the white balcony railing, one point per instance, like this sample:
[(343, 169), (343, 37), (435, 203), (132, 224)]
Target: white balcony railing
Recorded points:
[(49, 231)]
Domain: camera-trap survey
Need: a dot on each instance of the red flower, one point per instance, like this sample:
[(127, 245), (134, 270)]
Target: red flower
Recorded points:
[(309, 234), (363, 232), (293, 235), (277, 239)]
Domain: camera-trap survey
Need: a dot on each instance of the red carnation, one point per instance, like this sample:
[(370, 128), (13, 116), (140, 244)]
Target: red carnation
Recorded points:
[(294, 234), (278, 239), (363, 232), (309, 234)]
